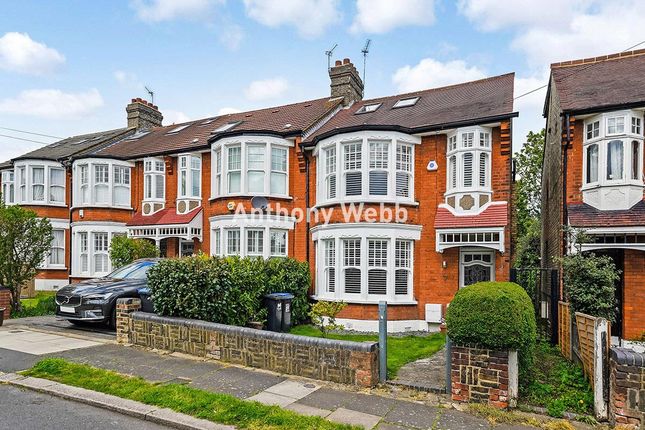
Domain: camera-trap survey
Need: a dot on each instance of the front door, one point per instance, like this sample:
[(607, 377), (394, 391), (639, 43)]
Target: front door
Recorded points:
[(476, 265)]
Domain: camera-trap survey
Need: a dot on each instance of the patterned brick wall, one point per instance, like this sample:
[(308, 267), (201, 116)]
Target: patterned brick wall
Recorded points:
[(484, 376), (5, 301), (325, 359), (627, 388)]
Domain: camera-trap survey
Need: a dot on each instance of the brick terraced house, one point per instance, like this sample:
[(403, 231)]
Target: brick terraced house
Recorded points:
[(593, 171), (439, 159)]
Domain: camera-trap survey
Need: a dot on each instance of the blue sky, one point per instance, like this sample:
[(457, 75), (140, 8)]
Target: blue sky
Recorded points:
[(70, 67)]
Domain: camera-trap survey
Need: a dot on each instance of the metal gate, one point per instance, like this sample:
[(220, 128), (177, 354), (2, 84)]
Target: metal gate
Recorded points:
[(543, 287)]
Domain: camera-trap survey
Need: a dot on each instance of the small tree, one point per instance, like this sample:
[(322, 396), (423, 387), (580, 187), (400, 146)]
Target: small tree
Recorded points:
[(25, 241), (323, 316), (589, 280), (124, 250)]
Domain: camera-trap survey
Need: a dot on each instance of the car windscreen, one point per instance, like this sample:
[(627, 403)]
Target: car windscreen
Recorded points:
[(137, 270)]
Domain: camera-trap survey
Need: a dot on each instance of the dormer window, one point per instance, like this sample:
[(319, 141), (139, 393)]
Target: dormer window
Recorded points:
[(369, 108), (410, 101), (190, 182), (154, 185), (612, 160)]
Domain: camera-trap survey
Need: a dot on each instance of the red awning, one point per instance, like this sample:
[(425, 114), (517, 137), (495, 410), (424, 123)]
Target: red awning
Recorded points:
[(167, 216), (495, 215)]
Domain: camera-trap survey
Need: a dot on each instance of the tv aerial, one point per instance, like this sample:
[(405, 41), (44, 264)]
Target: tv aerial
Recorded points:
[(152, 94), (329, 54), (365, 51)]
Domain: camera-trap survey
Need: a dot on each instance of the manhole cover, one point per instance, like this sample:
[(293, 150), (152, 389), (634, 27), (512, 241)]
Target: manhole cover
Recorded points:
[(310, 386)]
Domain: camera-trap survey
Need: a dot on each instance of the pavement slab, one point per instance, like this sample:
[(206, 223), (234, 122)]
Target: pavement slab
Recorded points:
[(451, 419), (413, 415), (308, 410), (348, 416), (294, 389), (13, 361), (237, 382), (39, 343), (272, 399), (326, 398)]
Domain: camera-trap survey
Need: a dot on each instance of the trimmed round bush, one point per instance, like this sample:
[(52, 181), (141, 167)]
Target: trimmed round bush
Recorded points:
[(495, 315)]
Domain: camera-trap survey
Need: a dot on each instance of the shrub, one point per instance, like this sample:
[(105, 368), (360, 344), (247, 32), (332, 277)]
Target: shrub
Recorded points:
[(323, 316), (496, 315), (124, 250), (227, 290)]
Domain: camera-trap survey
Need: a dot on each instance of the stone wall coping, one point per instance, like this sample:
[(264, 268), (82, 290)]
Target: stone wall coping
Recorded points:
[(475, 346), (627, 357), (258, 334), (2, 288)]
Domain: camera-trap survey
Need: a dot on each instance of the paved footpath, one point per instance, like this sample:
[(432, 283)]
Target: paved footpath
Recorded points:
[(387, 409)]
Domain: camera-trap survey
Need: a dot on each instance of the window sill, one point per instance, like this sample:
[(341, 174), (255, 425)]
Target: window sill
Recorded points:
[(97, 206), (33, 203), (609, 184), (250, 196), (365, 302), (53, 268), (371, 200)]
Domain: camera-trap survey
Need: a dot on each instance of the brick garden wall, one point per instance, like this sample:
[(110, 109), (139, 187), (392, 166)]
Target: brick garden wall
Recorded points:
[(5, 301), (627, 388), (345, 362), (484, 376)]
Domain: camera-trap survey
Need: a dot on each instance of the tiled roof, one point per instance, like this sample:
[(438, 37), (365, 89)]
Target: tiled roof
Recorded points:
[(437, 107), (599, 82), (74, 145), (287, 120), (495, 215), (583, 215), (168, 216)]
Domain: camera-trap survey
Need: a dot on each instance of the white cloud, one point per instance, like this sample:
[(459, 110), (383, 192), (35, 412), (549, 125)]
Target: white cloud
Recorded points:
[(231, 36), (381, 16), (53, 104), (174, 116), (19, 53), (552, 30), (128, 80), (310, 17), (529, 107), (152, 11), (227, 110), (430, 73), (266, 89)]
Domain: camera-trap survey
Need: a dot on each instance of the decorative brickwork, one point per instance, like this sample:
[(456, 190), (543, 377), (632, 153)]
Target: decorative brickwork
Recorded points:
[(484, 376), (5, 301), (627, 388), (345, 362)]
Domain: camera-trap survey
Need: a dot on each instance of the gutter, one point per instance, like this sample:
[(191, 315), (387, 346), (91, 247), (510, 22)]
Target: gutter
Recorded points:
[(307, 223), (607, 108)]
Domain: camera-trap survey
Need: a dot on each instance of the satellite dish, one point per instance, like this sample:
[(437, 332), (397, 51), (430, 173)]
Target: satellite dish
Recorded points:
[(259, 202)]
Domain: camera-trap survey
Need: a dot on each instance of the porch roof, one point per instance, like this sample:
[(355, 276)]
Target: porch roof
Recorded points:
[(584, 216), (495, 215), (168, 216)]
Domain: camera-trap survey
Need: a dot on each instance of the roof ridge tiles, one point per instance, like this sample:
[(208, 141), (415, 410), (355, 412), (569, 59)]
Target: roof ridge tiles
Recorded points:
[(598, 59)]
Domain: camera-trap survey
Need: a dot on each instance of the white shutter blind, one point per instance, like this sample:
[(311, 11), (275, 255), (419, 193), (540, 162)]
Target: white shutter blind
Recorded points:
[(352, 262), (378, 183), (353, 165), (377, 263), (453, 171), (403, 169), (330, 172), (468, 169), (330, 264), (403, 266), (483, 169)]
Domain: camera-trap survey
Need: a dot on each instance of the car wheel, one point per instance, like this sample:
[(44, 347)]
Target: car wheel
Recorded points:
[(112, 321)]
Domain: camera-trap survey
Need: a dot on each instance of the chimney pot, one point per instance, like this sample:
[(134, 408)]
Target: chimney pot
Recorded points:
[(338, 62), (346, 61), (143, 114), (346, 82)]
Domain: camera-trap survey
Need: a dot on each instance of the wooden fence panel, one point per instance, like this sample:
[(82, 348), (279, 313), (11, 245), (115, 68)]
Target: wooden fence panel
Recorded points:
[(585, 324), (564, 329)]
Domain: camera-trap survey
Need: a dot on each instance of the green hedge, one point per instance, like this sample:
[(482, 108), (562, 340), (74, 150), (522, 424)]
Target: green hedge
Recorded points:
[(496, 315), (227, 290)]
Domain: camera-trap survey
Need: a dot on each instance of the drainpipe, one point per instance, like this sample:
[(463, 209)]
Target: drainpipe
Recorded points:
[(565, 216), (510, 205), (307, 226), (68, 166)]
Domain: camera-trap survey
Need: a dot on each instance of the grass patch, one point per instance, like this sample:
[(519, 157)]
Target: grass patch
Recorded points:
[(400, 349), (219, 408), (556, 384), (42, 304)]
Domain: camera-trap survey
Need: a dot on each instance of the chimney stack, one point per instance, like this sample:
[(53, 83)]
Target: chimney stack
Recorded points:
[(346, 82), (143, 115)]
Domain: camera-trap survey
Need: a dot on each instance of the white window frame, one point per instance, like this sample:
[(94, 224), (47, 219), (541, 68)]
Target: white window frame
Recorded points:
[(154, 173), (8, 187), (479, 142), (58, 225), (365, 139), (268, 225), (223, 146), (59, 247), (89, 229), (364, 233), (90, 185), (463, 252), (188, 165), (24, 184)]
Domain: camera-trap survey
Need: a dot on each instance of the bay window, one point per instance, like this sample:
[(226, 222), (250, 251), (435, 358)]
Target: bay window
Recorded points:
[(612, 160), (102, 182), (101, 257), (468, 169), (365, 264), (91, 247), (250, 235), (154, 185), (57, 251), (39, 182), (190, 183), (366, 166), (8, 187), (250, 165)]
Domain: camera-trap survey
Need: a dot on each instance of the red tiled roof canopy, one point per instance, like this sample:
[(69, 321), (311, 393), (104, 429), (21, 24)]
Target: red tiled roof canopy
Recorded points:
[(167, 216), (610, 80), (495, 215), (583, 215)]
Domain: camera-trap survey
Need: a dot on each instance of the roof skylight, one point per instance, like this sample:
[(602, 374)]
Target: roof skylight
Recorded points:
[(369, 108), (137, 135), (178, 129), (410, 101), (226, 127), (79, 142)]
